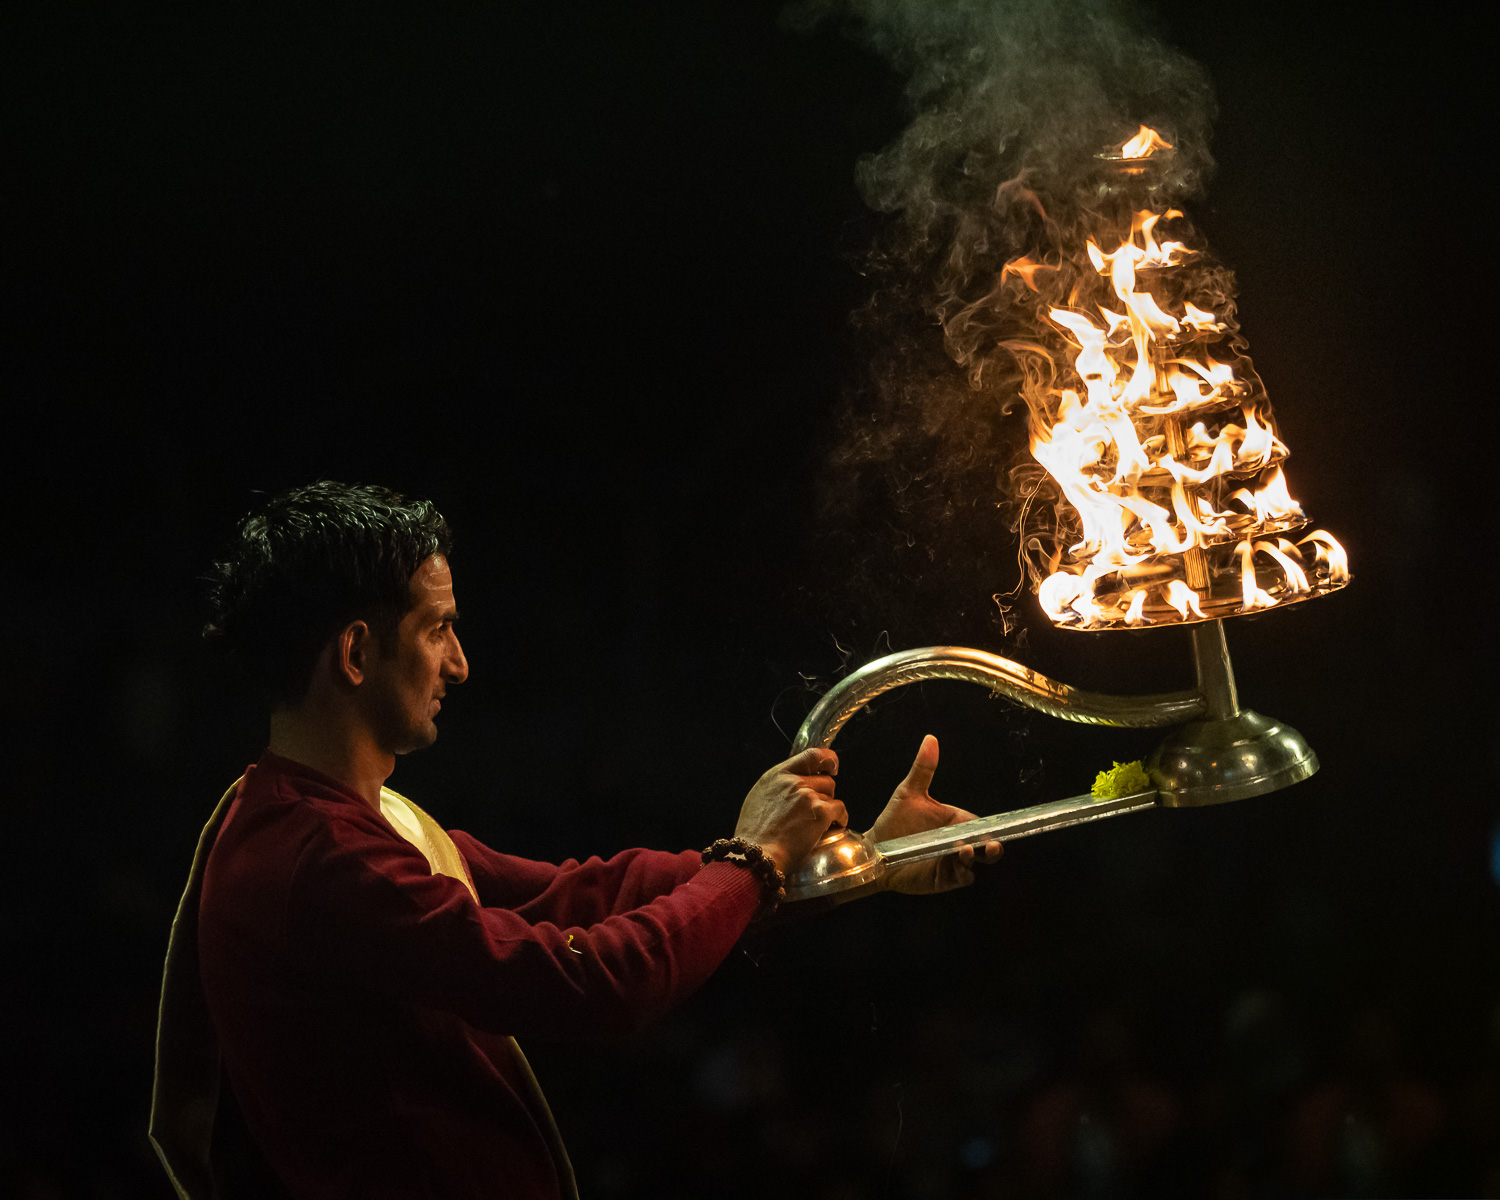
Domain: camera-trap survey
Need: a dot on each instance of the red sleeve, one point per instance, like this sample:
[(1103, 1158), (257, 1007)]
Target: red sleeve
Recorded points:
[(367, 909), (574, 893)]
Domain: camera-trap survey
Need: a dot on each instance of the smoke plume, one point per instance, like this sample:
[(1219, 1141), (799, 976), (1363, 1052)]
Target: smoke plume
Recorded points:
[(1011, 101)]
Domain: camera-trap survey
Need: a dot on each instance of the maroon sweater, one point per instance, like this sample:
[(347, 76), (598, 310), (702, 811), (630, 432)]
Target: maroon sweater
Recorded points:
[(363, 1005)]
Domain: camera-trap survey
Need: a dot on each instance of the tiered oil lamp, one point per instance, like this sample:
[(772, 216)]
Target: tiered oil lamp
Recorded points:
[(1150, 420)]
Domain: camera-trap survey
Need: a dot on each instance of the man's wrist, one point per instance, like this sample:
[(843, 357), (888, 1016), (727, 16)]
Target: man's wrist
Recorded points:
[(757, 860)]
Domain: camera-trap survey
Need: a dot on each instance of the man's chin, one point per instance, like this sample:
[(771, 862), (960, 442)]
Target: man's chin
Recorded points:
[(418, 739)]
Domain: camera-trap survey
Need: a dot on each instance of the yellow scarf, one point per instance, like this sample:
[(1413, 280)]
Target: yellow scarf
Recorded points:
[(427, 836)]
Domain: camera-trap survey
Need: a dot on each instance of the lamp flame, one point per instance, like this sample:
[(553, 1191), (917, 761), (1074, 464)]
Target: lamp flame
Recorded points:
[(1149, 417), (1144, 143)]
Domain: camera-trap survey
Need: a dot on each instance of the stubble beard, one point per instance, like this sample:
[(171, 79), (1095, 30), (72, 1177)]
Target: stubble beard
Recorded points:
[(417, 737)]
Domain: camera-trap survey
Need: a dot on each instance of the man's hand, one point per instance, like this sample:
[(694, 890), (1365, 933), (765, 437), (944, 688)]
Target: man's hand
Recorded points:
[(913, 810), (791, 806)]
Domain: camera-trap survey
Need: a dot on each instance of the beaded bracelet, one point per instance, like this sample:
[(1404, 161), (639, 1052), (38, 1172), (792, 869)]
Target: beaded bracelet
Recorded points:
[(754, 858)]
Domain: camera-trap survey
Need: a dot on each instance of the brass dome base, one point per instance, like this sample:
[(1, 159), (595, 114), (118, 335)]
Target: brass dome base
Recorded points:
[(1215, 761), (842, 860)]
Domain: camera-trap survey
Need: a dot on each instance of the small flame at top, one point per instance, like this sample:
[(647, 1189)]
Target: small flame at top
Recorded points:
[(1144, 144)]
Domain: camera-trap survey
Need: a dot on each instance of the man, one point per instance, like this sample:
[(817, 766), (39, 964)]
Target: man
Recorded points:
[(359, 973)]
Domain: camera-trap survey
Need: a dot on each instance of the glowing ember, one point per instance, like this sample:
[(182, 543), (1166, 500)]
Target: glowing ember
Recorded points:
[(1146, 412)]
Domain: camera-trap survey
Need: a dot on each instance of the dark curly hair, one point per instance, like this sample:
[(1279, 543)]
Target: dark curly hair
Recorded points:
[(306, 563)]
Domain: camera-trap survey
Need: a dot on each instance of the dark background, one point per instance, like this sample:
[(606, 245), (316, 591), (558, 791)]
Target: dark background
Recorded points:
[(581, 273)]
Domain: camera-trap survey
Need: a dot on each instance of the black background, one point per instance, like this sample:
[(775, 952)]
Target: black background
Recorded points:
[(581, 273)]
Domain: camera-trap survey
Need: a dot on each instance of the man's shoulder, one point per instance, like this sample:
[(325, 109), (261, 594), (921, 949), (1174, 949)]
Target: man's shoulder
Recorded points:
[(277, 820)]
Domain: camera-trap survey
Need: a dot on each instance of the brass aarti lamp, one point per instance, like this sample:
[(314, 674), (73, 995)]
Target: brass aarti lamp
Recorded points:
[(1152, 423)]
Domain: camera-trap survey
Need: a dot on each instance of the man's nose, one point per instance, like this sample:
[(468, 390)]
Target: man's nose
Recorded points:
[(456, 668)]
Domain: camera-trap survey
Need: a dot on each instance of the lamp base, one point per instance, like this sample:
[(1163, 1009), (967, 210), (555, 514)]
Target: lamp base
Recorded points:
[(842, 860), (1215, 761)]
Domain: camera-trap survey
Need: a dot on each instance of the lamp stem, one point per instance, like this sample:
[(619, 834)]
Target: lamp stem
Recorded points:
[(1215, 672)]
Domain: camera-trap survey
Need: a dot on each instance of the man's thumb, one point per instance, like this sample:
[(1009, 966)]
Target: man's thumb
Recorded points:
[(924, 766)]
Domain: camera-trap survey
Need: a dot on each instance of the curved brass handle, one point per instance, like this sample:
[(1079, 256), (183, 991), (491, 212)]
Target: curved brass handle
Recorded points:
[(846, 863), (999, 675)]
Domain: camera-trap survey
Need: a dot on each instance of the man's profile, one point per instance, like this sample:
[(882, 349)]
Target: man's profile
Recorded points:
[(346, 977)]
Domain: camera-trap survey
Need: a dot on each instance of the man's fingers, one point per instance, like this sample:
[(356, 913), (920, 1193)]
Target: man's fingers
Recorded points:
[(815, 760), (968, 856), (923, 767), (822, 784), (831, 811), (960, 871)]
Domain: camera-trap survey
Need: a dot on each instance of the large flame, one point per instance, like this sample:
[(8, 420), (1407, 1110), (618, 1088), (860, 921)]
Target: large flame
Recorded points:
[(1151, 420)]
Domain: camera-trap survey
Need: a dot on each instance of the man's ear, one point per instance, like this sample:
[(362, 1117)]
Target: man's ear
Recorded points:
[(351, 652)]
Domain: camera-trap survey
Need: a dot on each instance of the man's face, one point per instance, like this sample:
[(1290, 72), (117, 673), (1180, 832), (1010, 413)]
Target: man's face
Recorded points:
[(411, 673)]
